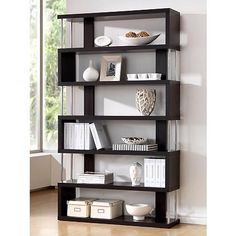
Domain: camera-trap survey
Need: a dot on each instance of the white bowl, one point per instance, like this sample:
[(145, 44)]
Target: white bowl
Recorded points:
[(133, 140), (102, 41), (154, 76), (131, 76), (142, 76), (128, 41), (138, 211)]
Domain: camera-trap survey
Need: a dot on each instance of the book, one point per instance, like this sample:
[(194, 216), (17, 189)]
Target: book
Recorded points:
[(78, 136), (134, 147), (154, 172), (95, 178), (162, 173), (88, 138), (100, 136)]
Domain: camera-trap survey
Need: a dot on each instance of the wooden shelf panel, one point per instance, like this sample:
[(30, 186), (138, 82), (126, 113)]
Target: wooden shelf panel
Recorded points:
[(114, 185), (111, 152), (117, 49), (136, 14), (94, 118), (117, 83), (124, 220)]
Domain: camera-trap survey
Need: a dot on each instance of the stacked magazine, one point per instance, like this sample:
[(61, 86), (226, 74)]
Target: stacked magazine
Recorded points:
[(95, 178), (134, 147)]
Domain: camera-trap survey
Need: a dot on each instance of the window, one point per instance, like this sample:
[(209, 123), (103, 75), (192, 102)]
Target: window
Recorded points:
[(35, 95), (45, 99)]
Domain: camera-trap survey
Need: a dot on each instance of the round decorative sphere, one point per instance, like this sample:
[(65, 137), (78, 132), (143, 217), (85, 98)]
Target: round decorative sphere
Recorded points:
[(90, 74)]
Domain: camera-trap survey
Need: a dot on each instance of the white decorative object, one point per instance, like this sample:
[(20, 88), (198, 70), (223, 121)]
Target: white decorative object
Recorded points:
[(132, 76), (90, 74), (142, 76), (138, 211), (145, 101), (154, 76), (102, 41), (137, 41), (133, 140), (135, 172)]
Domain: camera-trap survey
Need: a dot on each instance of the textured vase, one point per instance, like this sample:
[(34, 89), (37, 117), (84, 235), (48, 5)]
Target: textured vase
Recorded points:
[(145, 101), (135, 172), (90, 74)]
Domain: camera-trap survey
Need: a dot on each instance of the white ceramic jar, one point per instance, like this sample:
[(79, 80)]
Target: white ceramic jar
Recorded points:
[(90, 74), (135, 172)]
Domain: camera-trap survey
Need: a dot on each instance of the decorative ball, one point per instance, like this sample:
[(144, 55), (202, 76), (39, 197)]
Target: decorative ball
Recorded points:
[(131, 35), (142, 34)]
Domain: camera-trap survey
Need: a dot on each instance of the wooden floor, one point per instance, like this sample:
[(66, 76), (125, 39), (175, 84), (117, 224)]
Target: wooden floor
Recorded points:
[(43, 222)]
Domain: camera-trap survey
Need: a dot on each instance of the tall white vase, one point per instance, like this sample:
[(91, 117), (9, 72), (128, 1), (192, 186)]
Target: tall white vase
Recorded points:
[(90, 74), (135, 172)]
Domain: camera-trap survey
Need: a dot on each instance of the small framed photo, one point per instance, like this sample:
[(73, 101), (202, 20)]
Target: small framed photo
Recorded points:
[(110, 68)]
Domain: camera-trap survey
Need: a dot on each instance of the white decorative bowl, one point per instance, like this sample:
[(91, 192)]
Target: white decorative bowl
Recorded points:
[(133, 140), (132, 76), (138, 211), (102, 41), (137, 41)]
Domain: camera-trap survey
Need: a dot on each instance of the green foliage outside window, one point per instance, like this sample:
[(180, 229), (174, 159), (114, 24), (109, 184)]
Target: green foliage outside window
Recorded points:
[(52, 93), (52, 97)]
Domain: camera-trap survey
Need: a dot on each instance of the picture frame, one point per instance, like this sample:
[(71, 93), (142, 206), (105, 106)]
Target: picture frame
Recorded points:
[(110, 68)]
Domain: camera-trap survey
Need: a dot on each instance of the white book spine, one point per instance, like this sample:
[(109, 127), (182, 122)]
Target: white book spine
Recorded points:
[(66, 136), (71, 135), (153, 172), (86, 138), (146, 173), (163, 175), (95, 136), (76, 143), (158, 173)]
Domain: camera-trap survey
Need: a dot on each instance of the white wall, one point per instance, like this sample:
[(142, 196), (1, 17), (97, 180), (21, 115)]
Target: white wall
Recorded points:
[(40, 171), (192, 194)]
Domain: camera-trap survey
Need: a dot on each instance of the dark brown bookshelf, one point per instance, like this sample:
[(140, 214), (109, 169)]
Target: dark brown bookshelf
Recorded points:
[(93, 118), (117, 49), (67, 77), (125, 220), (117, 83), (141, 14), (112, 152)]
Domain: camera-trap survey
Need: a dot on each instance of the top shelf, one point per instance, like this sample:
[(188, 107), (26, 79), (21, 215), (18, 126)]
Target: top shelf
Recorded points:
[(119, 15)]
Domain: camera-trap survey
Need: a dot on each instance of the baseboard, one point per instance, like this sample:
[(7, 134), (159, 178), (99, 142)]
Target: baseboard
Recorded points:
[(200, 220), (43, 188)]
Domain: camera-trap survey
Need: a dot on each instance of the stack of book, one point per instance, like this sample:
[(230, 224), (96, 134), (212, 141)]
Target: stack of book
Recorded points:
[(85, 136), (95, 178), (78, 136), (134, 147), (154, 172), (173, 65)]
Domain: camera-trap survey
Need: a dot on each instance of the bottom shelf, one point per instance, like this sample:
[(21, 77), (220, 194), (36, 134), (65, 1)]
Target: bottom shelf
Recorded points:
[(124, 220)]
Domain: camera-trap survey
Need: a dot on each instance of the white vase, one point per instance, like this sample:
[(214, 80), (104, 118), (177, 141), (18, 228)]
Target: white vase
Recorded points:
[(135, 172), (90, 74)]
